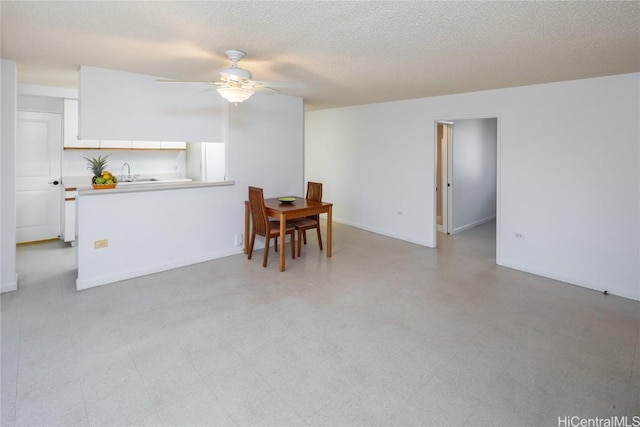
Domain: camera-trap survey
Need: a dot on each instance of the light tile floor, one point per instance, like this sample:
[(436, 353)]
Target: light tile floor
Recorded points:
[(384, 333)]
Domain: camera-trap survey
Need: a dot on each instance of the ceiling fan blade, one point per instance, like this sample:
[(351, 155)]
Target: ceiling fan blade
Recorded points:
[(279, 84), (241, 79), (264, 89), (184, 81)]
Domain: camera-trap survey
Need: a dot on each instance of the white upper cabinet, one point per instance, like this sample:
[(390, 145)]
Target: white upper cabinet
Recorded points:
[(71, 127), (128, 106), (115, 143), (173, 145), (146, 145), (71, 136)]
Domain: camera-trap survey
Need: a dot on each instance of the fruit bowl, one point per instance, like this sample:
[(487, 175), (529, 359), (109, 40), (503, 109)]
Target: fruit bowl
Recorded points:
[(103, 186)]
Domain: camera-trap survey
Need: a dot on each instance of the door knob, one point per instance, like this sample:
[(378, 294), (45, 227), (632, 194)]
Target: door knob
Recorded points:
[(56, 182)]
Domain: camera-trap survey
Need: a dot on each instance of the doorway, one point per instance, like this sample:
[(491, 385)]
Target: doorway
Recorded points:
[(38, 193), (443, 143), (466, 171)]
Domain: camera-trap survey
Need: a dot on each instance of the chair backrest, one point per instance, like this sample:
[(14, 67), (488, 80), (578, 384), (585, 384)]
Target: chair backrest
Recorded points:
[(314, 191), (258, 211)]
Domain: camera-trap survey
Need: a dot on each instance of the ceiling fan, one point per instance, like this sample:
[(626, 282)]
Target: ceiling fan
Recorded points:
[(236, 84)]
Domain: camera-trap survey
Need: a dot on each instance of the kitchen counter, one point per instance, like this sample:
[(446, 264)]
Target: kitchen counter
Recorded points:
[(138, 229), (84, 181), (135, 187), (78, 187), (163, 182)]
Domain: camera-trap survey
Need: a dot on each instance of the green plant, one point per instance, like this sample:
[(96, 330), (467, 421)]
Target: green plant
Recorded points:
[(97, 165)]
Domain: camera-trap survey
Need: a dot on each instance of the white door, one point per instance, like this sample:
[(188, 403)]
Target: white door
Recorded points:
[(38, 193), (444, 169), (449, 177)]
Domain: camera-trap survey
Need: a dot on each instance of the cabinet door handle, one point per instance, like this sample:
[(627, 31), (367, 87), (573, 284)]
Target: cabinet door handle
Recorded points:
[(56, 182)]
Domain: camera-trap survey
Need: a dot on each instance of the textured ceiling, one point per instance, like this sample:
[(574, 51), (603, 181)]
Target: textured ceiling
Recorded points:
[(346, 52)]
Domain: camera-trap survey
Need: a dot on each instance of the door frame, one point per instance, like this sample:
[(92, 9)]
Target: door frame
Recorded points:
[(452, 119), (446, 171), (56, 212)]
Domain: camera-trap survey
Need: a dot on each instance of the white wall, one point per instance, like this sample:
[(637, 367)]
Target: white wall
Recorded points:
[(265, 148), (8, 276), (43, 104), (376, 165), (265, 144), (474, 172), (568, 176)]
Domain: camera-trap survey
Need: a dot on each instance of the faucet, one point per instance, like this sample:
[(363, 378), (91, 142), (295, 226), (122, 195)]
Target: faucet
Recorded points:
[(128, 176)]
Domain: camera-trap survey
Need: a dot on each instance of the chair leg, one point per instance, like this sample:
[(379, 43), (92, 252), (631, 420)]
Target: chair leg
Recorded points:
[(293, 244), (299, 242), (304, 236), (266, 252), (275, 243), (319, 237), (253, 238)]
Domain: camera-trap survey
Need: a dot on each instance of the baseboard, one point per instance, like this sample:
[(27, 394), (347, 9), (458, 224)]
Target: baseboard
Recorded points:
[(611, 289), (410, 239), (474, 224), (9, 286), (82, 284)]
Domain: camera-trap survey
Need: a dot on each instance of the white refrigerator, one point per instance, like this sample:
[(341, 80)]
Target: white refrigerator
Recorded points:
[(206, 161)]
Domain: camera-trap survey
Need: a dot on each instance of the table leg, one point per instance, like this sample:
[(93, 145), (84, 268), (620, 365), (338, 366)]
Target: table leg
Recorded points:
[(246, 227), (283, 237), (329, 230)]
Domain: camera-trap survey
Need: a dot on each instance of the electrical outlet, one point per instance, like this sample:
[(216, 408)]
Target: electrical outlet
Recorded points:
[(239, 239), (519, 235), (98, 244)]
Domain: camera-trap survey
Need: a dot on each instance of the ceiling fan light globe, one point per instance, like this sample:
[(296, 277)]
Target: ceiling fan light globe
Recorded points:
[(235, 94)]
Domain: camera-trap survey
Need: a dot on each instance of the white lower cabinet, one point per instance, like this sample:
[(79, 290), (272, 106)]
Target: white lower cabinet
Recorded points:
[(69, 217)]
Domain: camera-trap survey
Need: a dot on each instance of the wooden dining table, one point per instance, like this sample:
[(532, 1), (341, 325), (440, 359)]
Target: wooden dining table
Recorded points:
[(301, 207)]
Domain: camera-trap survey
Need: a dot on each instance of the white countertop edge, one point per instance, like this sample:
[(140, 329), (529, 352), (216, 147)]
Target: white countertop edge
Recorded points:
[(156, 186)]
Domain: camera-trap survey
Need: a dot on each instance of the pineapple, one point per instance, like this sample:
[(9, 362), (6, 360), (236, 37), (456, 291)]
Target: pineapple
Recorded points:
[(100, 174)]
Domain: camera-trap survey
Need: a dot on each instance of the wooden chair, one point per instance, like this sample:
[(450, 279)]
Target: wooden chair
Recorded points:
[(314, 192), (262, 226)]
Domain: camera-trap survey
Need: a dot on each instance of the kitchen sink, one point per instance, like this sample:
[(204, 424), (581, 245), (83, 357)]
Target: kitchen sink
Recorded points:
[(151, 180), (133, 179)]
